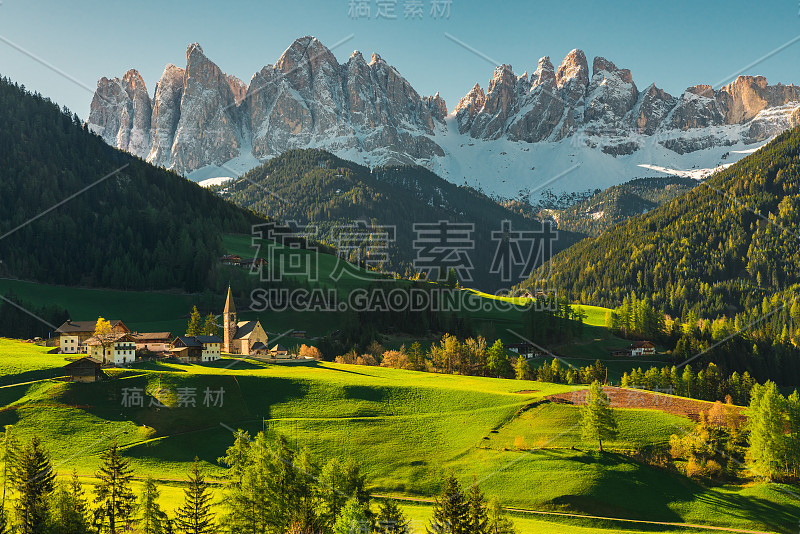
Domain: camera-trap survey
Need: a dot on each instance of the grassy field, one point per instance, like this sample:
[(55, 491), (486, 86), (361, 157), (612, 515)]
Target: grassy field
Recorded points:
[(408, 429)]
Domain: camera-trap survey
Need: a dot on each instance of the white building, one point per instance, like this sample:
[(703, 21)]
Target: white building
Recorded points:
[(119, 349)]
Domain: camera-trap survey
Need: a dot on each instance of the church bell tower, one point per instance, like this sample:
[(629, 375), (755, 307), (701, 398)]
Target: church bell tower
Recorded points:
[(229, 323)]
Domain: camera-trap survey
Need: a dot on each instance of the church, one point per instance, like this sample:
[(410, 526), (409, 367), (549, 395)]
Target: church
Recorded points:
[(247, 338)]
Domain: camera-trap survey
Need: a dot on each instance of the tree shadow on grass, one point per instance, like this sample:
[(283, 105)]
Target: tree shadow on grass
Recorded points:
[(627, 489)]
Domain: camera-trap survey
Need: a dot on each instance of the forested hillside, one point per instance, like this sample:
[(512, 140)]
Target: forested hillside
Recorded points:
[(314, 186), (596, 214), (140, 228), (719, 249)]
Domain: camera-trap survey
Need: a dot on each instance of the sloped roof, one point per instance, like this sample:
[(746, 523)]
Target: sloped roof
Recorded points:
[(189, 341), (73, 327), (149, 336), (208, 339), (230, 307), (75, 363), (258, 346), (278, 348), (244, 329), (112, 338)]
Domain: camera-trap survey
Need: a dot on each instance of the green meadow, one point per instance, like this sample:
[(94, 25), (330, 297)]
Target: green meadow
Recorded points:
[(407, 429)]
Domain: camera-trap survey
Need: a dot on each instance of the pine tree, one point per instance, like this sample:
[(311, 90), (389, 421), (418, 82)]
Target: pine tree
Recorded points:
[(390, 519), (767, 426), (9, 454), (68, 512), (195, 326), (499, 523), (352, 520), (598, 421), (151, 518), (210, 327), (450, 510), (36, 482), (113, 496), (195, 516), (477, 515)]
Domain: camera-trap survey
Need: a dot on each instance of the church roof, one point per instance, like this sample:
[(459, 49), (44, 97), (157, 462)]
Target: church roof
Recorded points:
[(230, 307), (244, 329)]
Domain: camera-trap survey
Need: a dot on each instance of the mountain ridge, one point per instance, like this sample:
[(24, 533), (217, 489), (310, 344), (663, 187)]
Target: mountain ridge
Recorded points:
[(203, 120)]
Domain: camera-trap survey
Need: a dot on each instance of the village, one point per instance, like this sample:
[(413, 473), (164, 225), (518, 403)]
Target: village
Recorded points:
[(91, 346)]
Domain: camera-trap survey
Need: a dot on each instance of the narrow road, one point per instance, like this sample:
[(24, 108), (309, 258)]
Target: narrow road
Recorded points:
[(597, 517)]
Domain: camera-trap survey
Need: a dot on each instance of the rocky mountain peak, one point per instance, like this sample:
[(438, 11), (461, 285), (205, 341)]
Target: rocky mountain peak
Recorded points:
[(574, 67), (545, 73), (200, 116), (701, 90), (436, 105), (601, 65), (238, 88)]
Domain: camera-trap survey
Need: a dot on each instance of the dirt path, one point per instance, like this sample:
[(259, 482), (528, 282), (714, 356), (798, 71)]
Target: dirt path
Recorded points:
[(639, 398), (595, 517)]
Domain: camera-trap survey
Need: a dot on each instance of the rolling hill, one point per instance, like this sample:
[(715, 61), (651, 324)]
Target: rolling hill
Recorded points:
[(593, 215), (84, 213), (510, 439), (718, 249), (316, 187)]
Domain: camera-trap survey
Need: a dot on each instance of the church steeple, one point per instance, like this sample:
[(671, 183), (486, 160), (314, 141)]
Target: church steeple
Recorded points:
[(229, 322)]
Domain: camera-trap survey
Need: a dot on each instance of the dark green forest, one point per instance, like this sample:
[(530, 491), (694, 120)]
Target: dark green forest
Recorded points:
[(721, 261), (706, 251), (314, 186), (141, 228), (596, 214)]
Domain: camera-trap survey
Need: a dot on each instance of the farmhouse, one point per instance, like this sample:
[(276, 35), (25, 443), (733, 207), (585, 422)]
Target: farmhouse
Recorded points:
[(278, 351), (117, 348), (74, 334), (153, 341), (196, 348), (523, 349), (85, 370), (242, 337), (642, 348)]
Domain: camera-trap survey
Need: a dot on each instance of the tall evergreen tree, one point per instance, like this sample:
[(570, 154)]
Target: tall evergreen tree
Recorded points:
[(477, 516), (767, 423), (113, 495), (36, 482), (152, 518), (195, 516), (68, 513), (352, 520), (390, 518), (195, 326), (9, 454), (450, 510), (598, 421), (210, 327), (499, 523)]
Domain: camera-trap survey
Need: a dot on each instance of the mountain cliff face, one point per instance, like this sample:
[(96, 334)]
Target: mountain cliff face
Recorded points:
[(201, 118)]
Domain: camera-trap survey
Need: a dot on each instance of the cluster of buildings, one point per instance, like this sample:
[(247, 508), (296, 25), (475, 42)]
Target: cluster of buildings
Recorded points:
[(120, 345)]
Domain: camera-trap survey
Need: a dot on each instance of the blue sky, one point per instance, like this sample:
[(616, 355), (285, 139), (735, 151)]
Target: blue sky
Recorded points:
[(672, 43)]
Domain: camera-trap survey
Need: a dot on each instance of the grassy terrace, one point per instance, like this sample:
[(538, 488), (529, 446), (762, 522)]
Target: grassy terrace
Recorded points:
[(406, 428)]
